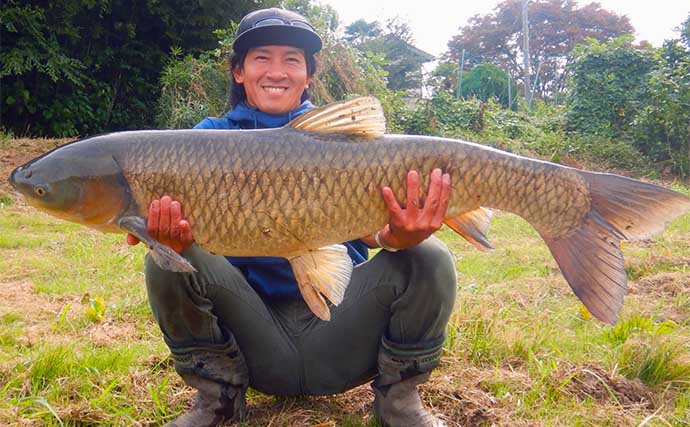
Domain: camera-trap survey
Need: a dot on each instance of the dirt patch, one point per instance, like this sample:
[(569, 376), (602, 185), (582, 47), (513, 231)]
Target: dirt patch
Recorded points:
[(45, 311), (20, 297), (311, 411), (465, 396), (662, 284), (16, 152), (464, 403), (594, 382), (108, 333), (658, 296)]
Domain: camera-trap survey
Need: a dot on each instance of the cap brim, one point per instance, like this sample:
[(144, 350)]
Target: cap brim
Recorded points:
[(278, 35)]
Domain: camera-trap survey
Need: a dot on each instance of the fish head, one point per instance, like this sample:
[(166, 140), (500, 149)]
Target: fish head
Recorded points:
[(43, 192), (77, 185)]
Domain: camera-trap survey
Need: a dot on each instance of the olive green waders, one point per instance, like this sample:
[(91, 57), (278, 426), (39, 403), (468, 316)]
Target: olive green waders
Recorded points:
[(403, 298)]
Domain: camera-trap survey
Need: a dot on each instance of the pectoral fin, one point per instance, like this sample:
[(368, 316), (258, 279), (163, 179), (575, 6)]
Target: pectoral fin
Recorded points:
[(323, 272), (166, 258), (473, 226)]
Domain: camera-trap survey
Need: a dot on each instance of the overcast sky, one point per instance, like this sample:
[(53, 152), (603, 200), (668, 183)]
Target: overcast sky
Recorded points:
[(434, 22)]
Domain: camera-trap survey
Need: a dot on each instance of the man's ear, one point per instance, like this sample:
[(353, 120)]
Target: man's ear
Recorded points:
[(306, 86), (238, 75)]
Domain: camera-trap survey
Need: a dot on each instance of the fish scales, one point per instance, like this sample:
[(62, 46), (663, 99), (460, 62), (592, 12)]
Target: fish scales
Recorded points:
[(280, 199), (260, 195)]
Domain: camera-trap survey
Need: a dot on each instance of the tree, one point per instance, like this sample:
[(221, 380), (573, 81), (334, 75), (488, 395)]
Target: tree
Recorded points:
[(609, 82), (556, 26), (404, 60), (362, 31), (87, 66), (685, 32), (487, 81), (323, 17), (662, 129)]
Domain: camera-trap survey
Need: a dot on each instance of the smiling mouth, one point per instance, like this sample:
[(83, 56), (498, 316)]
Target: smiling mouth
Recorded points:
[(273, 89)]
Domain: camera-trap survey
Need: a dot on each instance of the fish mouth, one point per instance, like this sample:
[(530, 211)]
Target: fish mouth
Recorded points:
[(12, 178), (19, 180)]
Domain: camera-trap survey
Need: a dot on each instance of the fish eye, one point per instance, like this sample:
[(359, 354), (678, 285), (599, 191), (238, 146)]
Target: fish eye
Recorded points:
[(40, 190)]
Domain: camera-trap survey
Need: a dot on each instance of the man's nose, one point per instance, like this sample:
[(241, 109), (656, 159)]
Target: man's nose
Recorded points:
[(276, 71)]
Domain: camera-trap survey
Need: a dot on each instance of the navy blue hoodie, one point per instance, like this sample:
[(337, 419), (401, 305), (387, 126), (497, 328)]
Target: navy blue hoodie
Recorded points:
[(272, 277)]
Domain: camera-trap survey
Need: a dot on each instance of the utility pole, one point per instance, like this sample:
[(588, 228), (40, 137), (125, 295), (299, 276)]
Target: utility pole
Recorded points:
[(462, 65), (534, 86), (525, 52)]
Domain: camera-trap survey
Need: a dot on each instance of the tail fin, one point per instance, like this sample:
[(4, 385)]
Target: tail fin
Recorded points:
[(591, 259)]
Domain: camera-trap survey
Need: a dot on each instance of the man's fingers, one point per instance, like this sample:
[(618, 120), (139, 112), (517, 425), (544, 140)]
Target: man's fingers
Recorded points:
[(175, 219), (164, 221), (412, 203), (444, 201), (185, 232), (432, 200), (154, 219), (395, 212), (392, 204)]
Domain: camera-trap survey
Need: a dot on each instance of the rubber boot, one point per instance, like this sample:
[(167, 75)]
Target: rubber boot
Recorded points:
[(220, 377), (396, 398)]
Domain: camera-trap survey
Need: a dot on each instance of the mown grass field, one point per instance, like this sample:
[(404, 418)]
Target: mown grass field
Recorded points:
[(79, 347)]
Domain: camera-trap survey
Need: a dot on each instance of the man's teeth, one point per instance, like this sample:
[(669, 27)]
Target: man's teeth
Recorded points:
[(274, 89)]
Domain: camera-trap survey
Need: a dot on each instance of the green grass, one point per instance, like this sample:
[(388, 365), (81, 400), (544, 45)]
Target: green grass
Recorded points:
[(5, 201), (520, 348)]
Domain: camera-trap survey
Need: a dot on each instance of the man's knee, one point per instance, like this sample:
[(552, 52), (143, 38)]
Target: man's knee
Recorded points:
[(204, 262), (422, 312), (434, 267), (161, 285), (168, 288)]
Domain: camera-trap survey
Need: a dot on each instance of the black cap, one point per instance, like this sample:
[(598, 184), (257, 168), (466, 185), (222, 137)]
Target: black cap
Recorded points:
[(276, 26)]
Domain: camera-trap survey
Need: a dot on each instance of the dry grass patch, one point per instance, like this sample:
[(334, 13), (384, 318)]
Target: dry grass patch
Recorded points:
[(110, 332), (594, 382), (466, 395), (60, 319), (21, 297), (663, 285), (323, 411), (664, 295)]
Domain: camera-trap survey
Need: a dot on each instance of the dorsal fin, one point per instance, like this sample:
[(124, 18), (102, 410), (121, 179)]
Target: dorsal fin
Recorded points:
[(360, 116)]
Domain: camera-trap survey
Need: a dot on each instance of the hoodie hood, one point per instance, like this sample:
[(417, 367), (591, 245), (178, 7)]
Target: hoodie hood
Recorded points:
[(249, 118)]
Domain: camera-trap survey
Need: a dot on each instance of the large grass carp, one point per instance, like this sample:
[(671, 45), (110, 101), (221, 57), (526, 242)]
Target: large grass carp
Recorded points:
[(299, 190)]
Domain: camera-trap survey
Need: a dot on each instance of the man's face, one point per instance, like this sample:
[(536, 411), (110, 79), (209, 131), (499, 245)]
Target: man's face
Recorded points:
[(274, 78)]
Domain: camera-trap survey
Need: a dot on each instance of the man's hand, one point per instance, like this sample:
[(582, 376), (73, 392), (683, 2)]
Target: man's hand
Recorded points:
[(165, 224), (409, 226)]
